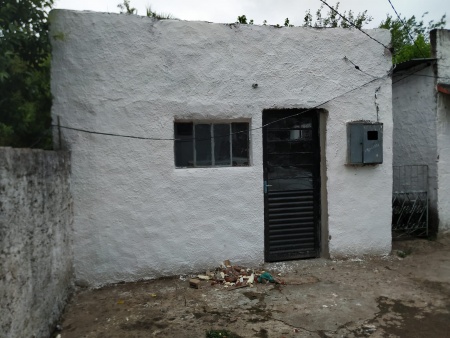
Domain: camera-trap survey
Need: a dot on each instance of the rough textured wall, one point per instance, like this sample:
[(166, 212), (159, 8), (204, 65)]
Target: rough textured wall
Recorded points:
[(441, 49), (35, 240), (136, 216), (414, 111)]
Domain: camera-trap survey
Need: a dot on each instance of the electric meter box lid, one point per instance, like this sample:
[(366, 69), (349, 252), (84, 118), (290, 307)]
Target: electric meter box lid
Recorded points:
[(364, 142)]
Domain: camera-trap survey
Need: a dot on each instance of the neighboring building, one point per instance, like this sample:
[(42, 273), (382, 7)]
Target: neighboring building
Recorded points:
[(421, 110), (227, 188)]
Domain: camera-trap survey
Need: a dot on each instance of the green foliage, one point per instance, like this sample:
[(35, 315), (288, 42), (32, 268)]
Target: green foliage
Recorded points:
[(159, 16), (242, 19), (404, 253), (25, 98), (126, 8), (333, 19), (410, 38), (286, 23), (221, 334)]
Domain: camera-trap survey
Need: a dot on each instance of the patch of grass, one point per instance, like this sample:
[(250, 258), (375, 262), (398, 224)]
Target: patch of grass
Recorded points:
[(221, 334), (404, 253)]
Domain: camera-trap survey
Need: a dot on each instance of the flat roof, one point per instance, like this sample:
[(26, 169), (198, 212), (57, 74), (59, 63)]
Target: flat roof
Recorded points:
[(412, 63)]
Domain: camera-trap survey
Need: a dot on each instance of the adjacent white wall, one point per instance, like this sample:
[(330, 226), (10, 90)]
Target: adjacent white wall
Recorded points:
[(441, 39), (414, 112), (36, 258), (136, 216)]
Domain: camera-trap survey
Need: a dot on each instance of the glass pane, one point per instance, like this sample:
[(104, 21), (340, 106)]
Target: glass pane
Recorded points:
[(281, 147), (240, 135), (184, 146), (203, 145), (282, 121), (222, 154)]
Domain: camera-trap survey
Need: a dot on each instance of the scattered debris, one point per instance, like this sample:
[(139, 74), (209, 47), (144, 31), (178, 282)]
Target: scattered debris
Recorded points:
[(234, 277), (194, 283), (203, 277), (369, 328)]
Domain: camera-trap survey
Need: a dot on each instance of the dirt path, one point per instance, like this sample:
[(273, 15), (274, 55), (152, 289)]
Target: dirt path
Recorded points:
[(384, 297)]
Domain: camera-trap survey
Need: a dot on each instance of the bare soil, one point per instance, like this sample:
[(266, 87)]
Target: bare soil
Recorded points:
[(371, 297)]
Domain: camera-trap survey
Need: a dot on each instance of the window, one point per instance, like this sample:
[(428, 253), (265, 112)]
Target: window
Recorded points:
[(211, 144)]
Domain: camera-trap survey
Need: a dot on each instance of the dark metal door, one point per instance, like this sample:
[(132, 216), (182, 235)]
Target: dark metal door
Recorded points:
[(291, 158)]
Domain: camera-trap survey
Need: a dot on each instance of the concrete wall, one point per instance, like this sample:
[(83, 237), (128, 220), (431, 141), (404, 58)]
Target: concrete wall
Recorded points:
[(35, 241), (136, 216), (441, 41), (414, 112)]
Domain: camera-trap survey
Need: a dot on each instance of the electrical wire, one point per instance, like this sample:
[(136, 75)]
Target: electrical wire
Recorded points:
[(352, 24), (357, 67), (407, 30), (111, 134), (225, 135)]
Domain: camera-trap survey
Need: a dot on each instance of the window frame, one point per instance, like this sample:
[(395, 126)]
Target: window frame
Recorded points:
[(211, 124)]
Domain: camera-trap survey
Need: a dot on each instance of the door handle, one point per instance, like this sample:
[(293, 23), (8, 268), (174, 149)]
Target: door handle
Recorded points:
[(265, 186)]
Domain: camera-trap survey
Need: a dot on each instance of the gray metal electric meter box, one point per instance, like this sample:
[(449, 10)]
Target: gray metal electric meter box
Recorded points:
[(364, 142)]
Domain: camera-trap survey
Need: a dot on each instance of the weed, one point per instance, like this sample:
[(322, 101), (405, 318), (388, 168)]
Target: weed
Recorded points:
[(221, 334)]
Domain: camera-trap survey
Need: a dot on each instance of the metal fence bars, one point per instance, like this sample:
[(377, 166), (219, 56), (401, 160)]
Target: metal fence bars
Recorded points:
[(410, 201)]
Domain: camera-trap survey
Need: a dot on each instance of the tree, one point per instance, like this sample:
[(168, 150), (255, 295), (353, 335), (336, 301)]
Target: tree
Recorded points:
[(25, 99), (333, 19), (410, 38)]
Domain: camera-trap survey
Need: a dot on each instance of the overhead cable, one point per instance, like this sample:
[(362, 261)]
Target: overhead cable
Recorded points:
[(352, 24), (407, 30), (225, 135)]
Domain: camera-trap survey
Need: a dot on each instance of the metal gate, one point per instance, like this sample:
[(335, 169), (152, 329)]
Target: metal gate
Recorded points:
[(410, 201), (291, 184)]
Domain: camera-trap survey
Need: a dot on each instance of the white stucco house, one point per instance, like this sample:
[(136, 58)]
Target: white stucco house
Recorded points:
[(421, 112), (195, 142)]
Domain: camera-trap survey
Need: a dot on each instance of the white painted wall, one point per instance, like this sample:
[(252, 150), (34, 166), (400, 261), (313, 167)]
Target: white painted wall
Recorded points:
[(414, 112), (442, 51), (136, 216), (36, 258)]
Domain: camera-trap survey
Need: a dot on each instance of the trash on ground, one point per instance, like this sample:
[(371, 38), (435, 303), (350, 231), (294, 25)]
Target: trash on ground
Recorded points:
[(194, 283), (232, 277), (267, 277)]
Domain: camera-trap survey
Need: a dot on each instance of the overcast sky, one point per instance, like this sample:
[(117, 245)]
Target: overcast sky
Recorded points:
[(274, 11)]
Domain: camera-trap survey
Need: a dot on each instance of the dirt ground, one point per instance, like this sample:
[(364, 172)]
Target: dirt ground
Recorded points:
[(372, 297)]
